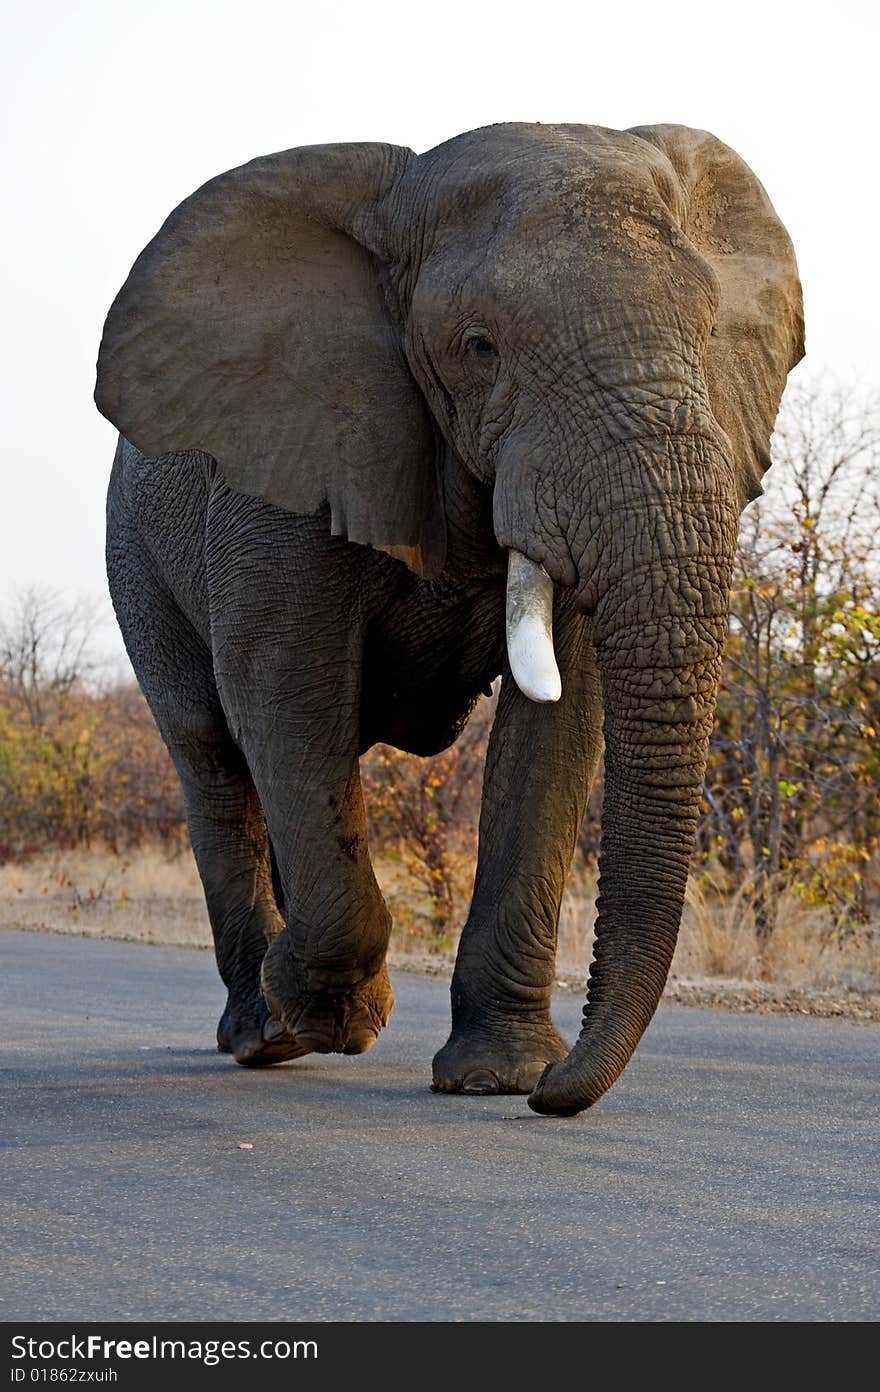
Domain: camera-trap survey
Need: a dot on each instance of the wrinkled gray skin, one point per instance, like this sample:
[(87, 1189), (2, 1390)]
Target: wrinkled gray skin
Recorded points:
[(563, 340)]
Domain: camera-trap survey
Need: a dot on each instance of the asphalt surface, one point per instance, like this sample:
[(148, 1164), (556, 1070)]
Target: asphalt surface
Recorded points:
[(731, 1174)]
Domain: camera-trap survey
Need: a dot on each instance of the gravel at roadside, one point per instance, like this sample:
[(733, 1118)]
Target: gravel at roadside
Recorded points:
[(744, 997)]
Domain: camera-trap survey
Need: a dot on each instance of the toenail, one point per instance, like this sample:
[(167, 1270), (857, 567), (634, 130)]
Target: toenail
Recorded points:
[(481, 1082)]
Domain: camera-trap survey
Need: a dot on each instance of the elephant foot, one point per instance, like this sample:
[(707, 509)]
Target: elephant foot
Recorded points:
[(326, 1019), (254, 1038), (506, 1060)]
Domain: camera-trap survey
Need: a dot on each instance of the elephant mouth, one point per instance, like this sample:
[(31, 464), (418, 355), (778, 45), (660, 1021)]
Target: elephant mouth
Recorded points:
[(530, 629)]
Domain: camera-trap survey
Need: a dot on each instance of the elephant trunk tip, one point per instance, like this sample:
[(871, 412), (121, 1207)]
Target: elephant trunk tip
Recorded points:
[(541, 1101)]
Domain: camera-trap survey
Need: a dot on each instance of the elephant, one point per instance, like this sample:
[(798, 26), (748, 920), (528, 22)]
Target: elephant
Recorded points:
[(394, 425)]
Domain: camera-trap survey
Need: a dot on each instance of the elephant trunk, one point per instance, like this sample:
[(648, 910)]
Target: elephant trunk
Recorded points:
[(660, 677)]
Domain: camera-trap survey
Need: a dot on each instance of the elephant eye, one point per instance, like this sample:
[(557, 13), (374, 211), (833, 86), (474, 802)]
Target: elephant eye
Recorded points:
[(481, 345)]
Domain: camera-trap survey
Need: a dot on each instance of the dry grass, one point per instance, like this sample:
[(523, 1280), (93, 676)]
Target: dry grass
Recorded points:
[(805, 949), (575, 941), (151, 896), (718, 939), (156, 896)]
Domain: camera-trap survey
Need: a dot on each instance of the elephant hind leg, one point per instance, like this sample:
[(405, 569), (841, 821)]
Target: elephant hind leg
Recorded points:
[(224, 816), (231, 849)]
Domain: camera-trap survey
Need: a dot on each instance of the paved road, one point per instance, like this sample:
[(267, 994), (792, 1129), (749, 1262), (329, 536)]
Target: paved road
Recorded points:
[(730, 1175)]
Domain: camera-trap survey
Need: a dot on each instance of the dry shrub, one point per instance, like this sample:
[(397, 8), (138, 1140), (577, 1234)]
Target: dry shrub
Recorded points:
[(413, 906), (423, 817)]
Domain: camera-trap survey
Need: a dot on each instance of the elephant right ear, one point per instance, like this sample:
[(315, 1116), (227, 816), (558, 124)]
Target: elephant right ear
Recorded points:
[(254, 327), (759, 333)]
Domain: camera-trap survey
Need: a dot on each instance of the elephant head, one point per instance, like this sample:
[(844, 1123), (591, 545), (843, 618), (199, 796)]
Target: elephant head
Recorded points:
[(597, 325)]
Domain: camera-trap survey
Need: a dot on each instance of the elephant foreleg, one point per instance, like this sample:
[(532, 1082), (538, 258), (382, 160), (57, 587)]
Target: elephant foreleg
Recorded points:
[(325, 975), (539, 769), (291, 692)]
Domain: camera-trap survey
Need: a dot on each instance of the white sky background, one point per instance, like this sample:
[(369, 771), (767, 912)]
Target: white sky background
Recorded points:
[(114, 111)]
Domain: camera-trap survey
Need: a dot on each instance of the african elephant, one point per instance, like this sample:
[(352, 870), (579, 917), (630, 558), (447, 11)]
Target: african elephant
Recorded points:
[(370, 402)]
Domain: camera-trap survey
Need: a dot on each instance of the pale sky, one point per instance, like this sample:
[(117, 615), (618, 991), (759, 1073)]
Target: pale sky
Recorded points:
[(113, 111)]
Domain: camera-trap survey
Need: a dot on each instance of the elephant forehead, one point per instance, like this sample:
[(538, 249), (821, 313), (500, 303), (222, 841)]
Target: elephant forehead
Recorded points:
[(552, 263), (515, 206), (544, 171)]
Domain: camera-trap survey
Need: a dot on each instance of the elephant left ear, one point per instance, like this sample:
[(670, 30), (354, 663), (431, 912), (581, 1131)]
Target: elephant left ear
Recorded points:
[(759, 332), (254, 327)]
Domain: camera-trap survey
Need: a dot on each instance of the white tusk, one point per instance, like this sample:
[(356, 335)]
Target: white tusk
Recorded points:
[(530, 629)]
